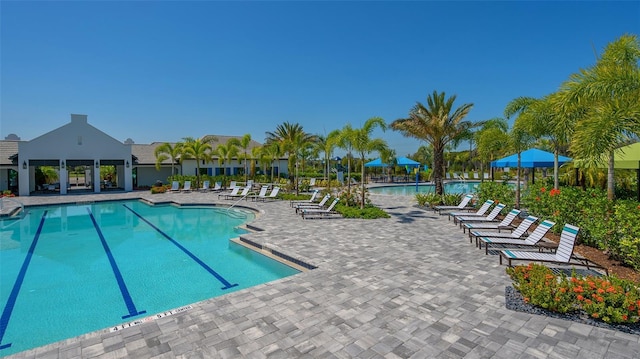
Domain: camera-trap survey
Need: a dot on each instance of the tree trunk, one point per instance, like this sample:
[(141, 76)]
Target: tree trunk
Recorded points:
[(438, 162), (518, 182), (610, 178), (362, 184), (556, 169)]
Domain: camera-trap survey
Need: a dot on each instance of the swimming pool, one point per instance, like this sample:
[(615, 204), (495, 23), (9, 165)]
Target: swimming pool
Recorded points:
[(410, 189), (69, 270)]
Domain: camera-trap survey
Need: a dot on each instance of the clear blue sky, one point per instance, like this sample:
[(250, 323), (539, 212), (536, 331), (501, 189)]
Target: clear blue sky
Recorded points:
[(161, 70)]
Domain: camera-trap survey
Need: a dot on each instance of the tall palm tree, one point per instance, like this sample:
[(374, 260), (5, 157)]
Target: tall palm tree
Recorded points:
[(271, 152), (258, 154), (166, 151), (292, 138), (545, 120), (363, 144), (197, 149), (611, 89), (491, 140), (345, 141), (244, 143), (520, 141), (438, 123), (226, 152), (326, 145)]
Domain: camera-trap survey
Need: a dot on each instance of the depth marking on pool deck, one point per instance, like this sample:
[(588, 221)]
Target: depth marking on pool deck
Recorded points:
[(8, 309), (149, 319), (227, 285), (116, 271)]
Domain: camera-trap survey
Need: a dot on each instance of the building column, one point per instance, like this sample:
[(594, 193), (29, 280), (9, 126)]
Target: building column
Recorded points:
[(24, 176), (96, 176), (64, 177)]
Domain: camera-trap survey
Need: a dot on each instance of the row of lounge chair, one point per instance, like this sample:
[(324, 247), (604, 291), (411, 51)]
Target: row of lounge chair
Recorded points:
[(311, 209), (235, 193), (466, 176), (489, 231), (175, 187)]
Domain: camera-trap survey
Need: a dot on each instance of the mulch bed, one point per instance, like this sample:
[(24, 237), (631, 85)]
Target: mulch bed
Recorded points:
[(515, 302)]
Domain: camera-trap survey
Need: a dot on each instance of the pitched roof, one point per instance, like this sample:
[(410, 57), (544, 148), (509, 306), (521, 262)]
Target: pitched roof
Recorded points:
[(8, 148), (146, 153)]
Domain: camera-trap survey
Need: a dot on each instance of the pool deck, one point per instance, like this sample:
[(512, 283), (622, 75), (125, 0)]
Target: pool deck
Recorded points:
[(410, 286)]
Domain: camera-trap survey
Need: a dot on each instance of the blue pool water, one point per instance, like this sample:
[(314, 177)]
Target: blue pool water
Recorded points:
[(69, 270), (410, 189)]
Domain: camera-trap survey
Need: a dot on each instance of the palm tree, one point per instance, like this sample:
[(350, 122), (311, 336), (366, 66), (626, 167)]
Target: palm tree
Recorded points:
[(363, 144), (244, 143), (168, 152), (258, 154), (438, 123), (491, 140), (226, 152), (345, 141), (544, 119), (292, 139), (521, 134), (610, 90), (326, 145), (271, 152), (198, 150)]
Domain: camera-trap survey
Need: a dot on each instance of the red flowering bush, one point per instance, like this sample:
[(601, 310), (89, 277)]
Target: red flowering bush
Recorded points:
[(609, 299)]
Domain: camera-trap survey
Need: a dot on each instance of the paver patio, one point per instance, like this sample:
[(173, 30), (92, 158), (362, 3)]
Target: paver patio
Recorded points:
[(410, 286)]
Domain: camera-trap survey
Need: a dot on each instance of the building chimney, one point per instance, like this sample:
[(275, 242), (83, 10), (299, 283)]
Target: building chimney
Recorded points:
[(78, 118)]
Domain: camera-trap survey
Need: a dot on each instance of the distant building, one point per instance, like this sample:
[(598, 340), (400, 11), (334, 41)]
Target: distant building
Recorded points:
[(79, 152)]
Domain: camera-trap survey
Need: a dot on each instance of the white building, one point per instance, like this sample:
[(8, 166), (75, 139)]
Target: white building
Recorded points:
[(124, 165)]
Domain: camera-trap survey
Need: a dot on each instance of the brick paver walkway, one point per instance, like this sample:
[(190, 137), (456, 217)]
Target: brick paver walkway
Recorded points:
[(410, 286)]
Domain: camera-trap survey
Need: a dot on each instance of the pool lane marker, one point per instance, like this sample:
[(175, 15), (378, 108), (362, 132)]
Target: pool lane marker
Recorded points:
[(227, 285), (116, 271), (8, 308)]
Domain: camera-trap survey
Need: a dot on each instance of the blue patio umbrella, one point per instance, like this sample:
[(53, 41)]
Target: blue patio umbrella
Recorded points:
[(531, 158), (404, 161), (376, 163)]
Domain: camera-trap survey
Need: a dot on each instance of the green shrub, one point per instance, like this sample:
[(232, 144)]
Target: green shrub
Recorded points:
[(428, 199), (369, 212), (501, 192)]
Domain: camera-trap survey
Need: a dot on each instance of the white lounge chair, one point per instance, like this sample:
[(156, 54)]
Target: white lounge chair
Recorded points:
[(233, 192), (187, 186), (490, 217), (232, 185), (319, 213), (518, 233), (243, 194), (300, 206), (175, 186), (476, 176), (217, 187), (531, 240), (205, 186), (262, 193), (504, 224), (480, 212), (313, 198), (273, 195), (563, 254), (464, 204)]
